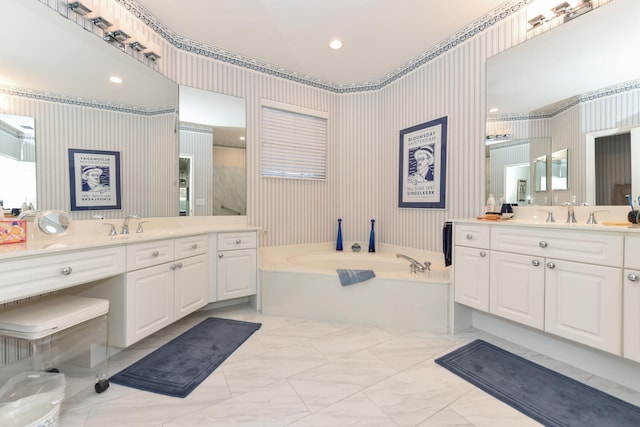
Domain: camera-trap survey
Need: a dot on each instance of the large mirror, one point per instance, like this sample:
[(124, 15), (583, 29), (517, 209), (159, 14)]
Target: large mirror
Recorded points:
[(46, 53), (17, 163), (212, 153), (580, 66)]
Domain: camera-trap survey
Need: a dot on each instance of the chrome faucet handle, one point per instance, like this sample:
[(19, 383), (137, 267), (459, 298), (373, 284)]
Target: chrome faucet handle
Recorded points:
[(98, 217), (139, 229), (592, 217), (427, 265), (550, 217), (112, 231)]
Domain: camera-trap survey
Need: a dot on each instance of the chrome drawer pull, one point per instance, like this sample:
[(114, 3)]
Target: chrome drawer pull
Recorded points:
[(483, 254), (155, 254), (194, 246), (469, 236), (535, 263), (551, 265), (632, 277), (66, 271), (543, 244)]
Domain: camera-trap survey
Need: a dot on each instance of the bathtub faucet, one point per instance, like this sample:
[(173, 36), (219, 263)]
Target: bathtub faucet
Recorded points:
[(416, 265)]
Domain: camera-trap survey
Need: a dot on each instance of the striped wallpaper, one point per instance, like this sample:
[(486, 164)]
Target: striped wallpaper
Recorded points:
[(363, 142)]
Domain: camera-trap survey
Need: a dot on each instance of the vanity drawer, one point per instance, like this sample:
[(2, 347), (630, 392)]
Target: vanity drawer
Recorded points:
[(190, 246), (143, 255), (631, 252), (472, 235), (27, 277), (581, 246), (241, 240)]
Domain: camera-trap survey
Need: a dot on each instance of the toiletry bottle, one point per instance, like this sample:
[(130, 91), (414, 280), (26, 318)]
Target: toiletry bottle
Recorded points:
[(491, 204), (339, 241), (372, 239)]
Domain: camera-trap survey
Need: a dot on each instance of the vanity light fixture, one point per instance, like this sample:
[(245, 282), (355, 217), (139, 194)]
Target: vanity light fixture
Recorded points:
[(152, 56), (137, 46), (544, 11), (100, 22), (79, 8)]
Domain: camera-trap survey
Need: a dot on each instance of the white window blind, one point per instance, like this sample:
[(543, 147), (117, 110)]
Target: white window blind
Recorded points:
[(294, 144)]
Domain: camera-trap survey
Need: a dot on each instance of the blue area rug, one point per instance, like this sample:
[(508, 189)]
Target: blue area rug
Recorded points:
[(544, 395), (179, 366)]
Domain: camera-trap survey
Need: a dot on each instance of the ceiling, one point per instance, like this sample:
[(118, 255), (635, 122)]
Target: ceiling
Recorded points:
[(379, 36)]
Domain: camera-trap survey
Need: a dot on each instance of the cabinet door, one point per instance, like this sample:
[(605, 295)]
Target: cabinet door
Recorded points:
[(237, 273), (471, 277), (191, 285), (632, 315), (584, 303), (149, 301), (517, 288)]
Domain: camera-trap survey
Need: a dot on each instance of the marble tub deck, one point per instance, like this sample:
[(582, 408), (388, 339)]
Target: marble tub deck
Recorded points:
[(296, 372)]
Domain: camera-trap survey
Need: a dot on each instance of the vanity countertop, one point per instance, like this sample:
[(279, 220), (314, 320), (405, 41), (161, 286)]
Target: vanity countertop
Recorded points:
[(92, 234)]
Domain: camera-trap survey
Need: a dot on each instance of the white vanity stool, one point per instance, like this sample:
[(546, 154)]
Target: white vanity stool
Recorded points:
[(64, 333)]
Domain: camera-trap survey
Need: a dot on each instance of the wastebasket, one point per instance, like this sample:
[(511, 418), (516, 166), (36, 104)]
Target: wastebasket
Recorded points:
[(32, 399)]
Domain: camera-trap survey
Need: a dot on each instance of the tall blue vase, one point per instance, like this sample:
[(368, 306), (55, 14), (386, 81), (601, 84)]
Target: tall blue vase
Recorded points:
[(372, 238), (339, 242)]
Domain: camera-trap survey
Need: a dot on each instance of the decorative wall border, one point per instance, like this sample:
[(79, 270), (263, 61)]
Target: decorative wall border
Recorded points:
[(208, 51), (196, 128)]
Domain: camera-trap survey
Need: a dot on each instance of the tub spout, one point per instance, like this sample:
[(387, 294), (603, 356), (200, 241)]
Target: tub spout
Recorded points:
[(415, 264)]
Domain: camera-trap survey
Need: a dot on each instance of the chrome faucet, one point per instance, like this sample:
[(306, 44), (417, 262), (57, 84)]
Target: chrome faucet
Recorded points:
[(416, 265), (571, 216), (125, 223)]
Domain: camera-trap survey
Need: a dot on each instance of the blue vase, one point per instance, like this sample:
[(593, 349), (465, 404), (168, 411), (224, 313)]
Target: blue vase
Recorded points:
[(372, 238), (339, 242)]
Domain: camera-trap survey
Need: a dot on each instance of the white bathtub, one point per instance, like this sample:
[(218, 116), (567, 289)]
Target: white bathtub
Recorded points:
[(301, 281)]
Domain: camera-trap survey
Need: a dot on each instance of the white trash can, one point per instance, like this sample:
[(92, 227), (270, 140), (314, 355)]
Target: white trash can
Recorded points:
[(32, 399)]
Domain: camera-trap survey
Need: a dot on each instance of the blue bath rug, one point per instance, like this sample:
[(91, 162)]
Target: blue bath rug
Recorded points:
[(542, 394), (179, 366)]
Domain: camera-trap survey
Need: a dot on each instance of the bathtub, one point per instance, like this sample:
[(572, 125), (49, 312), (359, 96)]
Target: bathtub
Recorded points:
[(301, 281)]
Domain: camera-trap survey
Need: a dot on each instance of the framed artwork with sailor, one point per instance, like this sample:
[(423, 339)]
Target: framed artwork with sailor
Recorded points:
[(94, 179)]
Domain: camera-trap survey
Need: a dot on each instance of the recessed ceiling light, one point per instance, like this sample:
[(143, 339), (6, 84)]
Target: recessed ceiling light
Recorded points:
[(242, 138), (115, 79), (493, 110), (335, 44)]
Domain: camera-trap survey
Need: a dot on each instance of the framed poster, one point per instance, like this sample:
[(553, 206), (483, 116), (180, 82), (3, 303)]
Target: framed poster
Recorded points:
[(423, 165), (94, 178)]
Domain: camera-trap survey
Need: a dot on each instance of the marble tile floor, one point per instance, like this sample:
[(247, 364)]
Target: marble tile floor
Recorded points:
[(296, 372)]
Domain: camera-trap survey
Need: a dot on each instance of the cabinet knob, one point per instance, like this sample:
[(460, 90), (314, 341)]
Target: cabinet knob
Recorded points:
[(238, 241), (194, 246), (220, 255), (179, 265), (551, 265), (632, 277), (543, 244), (66, 271), (173, 267), (469, 236), (483, 254), (535, 263), (155, 254)]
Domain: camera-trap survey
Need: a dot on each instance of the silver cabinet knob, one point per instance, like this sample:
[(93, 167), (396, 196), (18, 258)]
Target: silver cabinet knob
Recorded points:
[(220, 255), (194, 246), (632, 277), (535, 263), (179, 265), (483, 254), (173, 267), (66, 271), (155, 254), (551, 265), (543, 244), (469, 236), (238, 241)]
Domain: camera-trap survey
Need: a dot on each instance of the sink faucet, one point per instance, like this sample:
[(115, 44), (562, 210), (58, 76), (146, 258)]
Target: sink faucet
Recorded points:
[(125, 223), (416, 265), (571, 216)]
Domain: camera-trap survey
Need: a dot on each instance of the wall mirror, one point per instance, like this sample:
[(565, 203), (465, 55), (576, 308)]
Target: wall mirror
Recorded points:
[(213, 136), (62, 59), (540, 172), (537, 81), (559, 170), (17, 162)]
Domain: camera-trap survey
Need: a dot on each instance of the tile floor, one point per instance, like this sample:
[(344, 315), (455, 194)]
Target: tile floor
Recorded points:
[(296, 372)]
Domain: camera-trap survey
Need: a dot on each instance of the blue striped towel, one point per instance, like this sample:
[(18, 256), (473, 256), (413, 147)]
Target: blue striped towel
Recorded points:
[(349, 277)]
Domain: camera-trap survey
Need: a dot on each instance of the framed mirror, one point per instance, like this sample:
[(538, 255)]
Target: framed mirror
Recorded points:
[(17, 163), (213, 135)]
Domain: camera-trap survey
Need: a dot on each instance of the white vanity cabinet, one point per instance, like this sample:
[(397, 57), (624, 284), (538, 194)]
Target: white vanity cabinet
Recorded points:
[(471, 265), (236, 265), (631, 292)]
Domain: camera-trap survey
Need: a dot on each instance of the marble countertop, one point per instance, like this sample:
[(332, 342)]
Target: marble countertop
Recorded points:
[(93, 234)]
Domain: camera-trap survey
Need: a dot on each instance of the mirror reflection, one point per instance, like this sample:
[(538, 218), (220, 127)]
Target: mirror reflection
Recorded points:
[(540, 174), (17, 164), (542, 91), (212, 172)]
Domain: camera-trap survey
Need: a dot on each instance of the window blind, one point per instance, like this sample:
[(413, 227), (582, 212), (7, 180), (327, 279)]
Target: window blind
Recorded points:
[(294, 145)]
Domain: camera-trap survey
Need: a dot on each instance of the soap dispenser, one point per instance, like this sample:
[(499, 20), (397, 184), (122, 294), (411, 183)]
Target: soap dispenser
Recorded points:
[(491, 204)]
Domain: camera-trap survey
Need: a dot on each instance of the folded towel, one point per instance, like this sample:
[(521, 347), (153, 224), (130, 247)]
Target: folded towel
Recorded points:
[(349, 277)]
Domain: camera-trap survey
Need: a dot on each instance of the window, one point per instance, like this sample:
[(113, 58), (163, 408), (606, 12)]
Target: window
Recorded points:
[(294, 142)]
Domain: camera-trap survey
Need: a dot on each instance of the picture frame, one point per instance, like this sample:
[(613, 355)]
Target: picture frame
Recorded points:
[(522, 190), (94, 179), (423, 165)]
